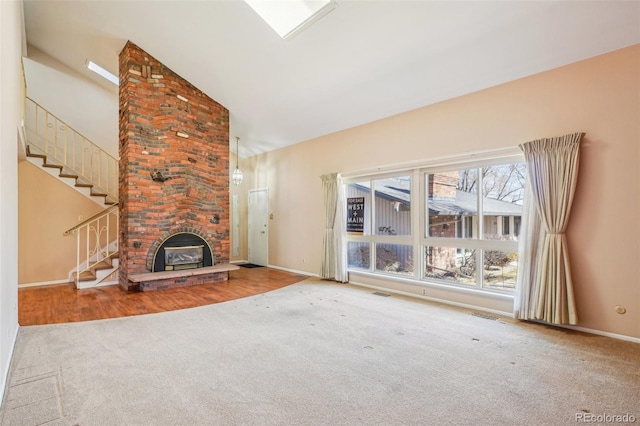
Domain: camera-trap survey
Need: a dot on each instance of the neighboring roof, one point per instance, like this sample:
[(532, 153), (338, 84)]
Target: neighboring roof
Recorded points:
[(464, 204)]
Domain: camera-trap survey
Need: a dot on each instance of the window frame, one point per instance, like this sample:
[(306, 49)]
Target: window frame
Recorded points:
[(418, 238), (372, 237)]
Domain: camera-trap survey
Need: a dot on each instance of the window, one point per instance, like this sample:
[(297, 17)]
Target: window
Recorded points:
[(397, 258), (451, 264), (461, 224), (288, 18), (385, 245), (103, 72), (481, 203), (358, 255), (505, 225), (393, 205)]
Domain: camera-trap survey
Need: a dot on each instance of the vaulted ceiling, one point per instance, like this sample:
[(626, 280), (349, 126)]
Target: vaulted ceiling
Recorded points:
[(364, 61)]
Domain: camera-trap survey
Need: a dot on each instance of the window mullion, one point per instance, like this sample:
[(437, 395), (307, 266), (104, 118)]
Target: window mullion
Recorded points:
[(480, 205), (416, 213), (372, 226), (480, 252), (424, 224)]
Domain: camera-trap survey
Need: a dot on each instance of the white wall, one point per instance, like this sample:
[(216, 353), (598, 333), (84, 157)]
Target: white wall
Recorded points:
[(598, 96), (10, 117), (86, 106), (46, 207)]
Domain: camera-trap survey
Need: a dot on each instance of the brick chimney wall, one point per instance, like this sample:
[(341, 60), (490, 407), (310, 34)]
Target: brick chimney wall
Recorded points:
[(443, 185), (169, 129)]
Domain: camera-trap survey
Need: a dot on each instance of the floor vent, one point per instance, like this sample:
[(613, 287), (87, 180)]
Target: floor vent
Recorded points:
[(377, 293), (485, 316)]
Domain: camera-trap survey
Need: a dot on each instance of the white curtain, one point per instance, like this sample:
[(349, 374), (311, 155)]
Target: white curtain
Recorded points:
[(340, 227), (545, 290), (529, 251), (330, 187)]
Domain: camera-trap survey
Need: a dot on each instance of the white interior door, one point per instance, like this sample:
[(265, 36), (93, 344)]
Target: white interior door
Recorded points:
[(235, 225), (259, 226)]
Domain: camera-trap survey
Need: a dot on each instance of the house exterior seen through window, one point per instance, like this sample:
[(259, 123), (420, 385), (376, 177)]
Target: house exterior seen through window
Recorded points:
[(455, 226)]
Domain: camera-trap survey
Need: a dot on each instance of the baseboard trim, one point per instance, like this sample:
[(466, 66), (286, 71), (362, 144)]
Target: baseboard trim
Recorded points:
[(106, 283), (592, 331), (508, 315), (294, 271), (42, 283), (7, 370), (434, 299)]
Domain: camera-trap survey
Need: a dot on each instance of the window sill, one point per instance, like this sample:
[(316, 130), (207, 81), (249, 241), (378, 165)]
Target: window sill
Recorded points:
[(496, 302)]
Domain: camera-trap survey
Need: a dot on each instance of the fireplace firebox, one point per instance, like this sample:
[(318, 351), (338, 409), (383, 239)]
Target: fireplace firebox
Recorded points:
[(186, 257), (182, 251)]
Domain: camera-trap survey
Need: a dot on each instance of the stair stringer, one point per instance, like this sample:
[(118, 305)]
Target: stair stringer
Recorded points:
[(40, 160), (102, 277), (101, 273)]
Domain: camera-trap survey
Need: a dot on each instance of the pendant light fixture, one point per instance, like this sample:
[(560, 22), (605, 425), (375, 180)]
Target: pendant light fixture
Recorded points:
[(236, 178)]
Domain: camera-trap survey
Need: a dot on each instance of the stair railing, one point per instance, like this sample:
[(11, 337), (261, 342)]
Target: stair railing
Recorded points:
[(96, 239), (69, 148)]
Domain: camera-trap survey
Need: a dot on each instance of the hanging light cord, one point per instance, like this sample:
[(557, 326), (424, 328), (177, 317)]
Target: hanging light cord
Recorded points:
[(237, 153)]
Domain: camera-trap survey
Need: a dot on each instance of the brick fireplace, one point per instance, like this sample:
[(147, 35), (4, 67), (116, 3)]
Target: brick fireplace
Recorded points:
[(174, 170)]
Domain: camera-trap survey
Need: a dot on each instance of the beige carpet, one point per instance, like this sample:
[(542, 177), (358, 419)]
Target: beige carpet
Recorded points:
[(317, 353)]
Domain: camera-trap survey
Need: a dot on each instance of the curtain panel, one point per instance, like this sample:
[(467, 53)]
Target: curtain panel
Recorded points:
[(544, 289), (330, 188), (340, 227)]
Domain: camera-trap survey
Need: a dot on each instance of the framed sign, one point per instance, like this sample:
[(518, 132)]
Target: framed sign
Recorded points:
[(355, 216)]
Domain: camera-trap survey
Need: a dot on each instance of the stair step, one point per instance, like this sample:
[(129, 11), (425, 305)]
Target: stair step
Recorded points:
[(64, 172), (105, 264), (67, 173), (34, 154), (30, 154), (86, 275), (90, 274), (53, 166)]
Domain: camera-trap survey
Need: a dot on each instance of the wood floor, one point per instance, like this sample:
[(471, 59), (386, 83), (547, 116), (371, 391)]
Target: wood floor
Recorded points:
[(63, 303)]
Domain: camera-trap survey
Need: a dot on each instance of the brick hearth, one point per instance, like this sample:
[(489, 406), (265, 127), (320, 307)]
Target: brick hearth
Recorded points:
[(174, 166)]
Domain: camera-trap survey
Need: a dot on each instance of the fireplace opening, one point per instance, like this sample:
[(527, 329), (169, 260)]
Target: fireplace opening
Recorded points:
[(182, 251), (187, 257)]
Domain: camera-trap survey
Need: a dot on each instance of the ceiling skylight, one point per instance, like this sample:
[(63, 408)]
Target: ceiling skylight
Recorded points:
[(103, 72), (290, 17)]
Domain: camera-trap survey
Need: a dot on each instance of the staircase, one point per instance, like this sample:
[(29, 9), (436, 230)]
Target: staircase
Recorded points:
[(67, 154), (97, 257), (79, 163), (85, 187), (100, 274)]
